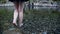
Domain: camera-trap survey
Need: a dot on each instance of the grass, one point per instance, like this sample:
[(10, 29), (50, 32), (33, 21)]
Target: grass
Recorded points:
[(32, 17), (5, 18)]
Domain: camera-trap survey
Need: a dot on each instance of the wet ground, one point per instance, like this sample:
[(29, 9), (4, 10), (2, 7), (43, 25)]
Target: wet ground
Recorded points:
[(34, 21), (12, 31)]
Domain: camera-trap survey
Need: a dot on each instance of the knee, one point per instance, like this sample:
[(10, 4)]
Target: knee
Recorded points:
[(20, 10)]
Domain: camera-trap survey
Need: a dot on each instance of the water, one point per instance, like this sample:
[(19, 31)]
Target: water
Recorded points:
[(10, 6), (37, 8)]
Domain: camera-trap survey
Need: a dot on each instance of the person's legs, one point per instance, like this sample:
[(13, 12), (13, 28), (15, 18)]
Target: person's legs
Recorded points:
[(15, 13), (20, 14)]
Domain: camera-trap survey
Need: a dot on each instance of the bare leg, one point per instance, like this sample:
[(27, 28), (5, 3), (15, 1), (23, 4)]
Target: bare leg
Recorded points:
[(15, 13), (15, 16), (20, 14)]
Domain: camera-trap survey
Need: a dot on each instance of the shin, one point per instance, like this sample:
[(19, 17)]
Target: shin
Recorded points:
[(20, 13)]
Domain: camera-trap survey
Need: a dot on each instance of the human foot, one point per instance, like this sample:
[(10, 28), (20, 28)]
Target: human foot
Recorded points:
[(15, 24), (21, 24)]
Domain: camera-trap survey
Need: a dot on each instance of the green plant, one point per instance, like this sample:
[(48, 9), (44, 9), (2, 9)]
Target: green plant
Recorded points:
[(2, 1)]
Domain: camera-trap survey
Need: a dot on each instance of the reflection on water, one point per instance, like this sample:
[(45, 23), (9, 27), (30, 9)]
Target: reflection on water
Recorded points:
[(34, 7)]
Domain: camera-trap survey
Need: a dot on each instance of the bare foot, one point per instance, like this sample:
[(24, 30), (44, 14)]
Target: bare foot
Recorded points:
[(21, 24), (15, 24)]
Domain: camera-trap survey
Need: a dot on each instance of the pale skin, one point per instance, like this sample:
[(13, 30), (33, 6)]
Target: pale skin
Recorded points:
[(18, 12)]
